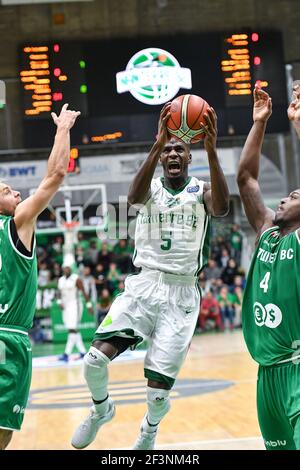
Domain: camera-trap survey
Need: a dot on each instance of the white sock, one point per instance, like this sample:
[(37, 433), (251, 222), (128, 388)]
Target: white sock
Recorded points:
[(79, 344), (96, 376), (146, 427), (158, 401), (72, 337)]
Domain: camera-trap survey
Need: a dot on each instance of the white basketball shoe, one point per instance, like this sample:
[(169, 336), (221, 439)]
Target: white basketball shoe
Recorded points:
[(87, 430), (146, 439)]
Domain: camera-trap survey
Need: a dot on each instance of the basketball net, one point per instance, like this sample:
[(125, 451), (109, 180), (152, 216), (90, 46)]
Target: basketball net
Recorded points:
[(69, 243)]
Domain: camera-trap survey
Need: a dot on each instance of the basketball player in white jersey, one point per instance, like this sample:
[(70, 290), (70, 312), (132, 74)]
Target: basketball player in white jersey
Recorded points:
[(161, 303), (69, 288)]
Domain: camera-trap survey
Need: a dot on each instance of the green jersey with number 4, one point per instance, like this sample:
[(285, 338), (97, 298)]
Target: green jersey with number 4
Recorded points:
[(271, 305), (18, 281), (172, 229)]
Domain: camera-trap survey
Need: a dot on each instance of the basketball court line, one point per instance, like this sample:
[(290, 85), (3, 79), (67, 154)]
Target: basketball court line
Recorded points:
[(186, 444), (46, 362)]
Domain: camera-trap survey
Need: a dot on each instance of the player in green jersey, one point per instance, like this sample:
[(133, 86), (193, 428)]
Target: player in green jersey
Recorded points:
[(18, 278), (161, 302), (271, 305)]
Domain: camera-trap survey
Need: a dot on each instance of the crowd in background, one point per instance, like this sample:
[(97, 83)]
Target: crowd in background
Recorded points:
[(104, 265)]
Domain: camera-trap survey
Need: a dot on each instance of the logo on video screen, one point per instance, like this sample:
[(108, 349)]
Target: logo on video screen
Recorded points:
[(153, 76)]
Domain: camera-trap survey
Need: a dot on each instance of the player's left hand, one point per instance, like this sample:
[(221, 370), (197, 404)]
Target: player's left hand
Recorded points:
[(163, 135), (294, 107), (66, 118), (211, 130)]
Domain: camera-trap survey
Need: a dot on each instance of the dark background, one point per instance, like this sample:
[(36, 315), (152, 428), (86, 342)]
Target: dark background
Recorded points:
[(105, 111)]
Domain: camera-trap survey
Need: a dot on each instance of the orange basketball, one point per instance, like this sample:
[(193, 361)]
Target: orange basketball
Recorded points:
[(186, 115)]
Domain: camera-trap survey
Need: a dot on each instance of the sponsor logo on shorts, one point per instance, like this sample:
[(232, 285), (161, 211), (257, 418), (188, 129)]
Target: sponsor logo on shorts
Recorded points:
[(93, 356), (276, 443), (18, 409)]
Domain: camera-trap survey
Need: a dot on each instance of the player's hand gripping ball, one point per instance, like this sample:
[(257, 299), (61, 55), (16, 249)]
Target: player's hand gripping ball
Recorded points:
[(187, 115)]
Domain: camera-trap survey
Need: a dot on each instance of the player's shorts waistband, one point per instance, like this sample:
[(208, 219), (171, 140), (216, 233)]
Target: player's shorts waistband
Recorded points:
[(169, 278), (14, 329)]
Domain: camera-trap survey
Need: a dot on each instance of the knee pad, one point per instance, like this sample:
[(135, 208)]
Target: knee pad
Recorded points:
[(96, 358), (95, 362), (158, 401)]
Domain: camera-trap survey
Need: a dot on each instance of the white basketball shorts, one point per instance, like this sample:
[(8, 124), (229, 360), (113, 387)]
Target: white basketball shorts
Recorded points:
[(162, 308)]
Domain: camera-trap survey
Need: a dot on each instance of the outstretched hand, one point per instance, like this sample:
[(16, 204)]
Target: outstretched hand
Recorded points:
[(66, 118), (294, 107), (163, 135), (262, 108), (210, 130)]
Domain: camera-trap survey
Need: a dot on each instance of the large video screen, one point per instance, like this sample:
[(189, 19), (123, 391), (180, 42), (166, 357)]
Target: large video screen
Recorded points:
[(120, 85)]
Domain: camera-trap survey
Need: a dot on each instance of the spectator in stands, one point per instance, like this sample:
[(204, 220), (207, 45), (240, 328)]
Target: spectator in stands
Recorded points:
[(56, 271), (104, 302), (114, 276), (44, 274), (92, 254), (58, 244), (212, 271), (236, 241), (82, 242), (56, 250), (79, 257), (122, 256), (100, 280), (105, 257), (217, 246), (209, 310), (202, 281), (229, 272), (224, 258), (89, 284), (225, 301), (41, 254), (239, 281), (238, 293)]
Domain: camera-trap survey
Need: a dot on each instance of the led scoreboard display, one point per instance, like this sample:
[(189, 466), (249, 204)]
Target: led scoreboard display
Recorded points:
[(50, 73), (110, 82), (250, 58)]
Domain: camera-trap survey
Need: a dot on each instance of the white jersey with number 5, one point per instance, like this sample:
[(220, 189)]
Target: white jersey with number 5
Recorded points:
[(172, 229)]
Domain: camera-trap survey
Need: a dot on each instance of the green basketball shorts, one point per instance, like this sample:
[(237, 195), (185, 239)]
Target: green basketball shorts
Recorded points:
[(15, 377), (278, 405)]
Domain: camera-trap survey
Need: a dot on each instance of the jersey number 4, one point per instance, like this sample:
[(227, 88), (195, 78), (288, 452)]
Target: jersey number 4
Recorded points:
[(264, 283)]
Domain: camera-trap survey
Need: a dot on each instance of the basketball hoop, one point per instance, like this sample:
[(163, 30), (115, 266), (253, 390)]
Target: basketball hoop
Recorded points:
[(70, 226)]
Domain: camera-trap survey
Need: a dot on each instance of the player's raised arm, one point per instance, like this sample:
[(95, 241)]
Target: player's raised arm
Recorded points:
[(139, 191), (259, 216), (216, 194), (294, 109), (28, 210)]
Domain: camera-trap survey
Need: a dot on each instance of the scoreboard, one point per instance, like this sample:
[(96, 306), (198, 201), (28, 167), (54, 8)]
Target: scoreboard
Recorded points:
[(50, 77), (224, 68)]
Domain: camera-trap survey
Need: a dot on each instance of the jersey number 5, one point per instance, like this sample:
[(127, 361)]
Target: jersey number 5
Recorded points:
[(264, 283), (166, 238)]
